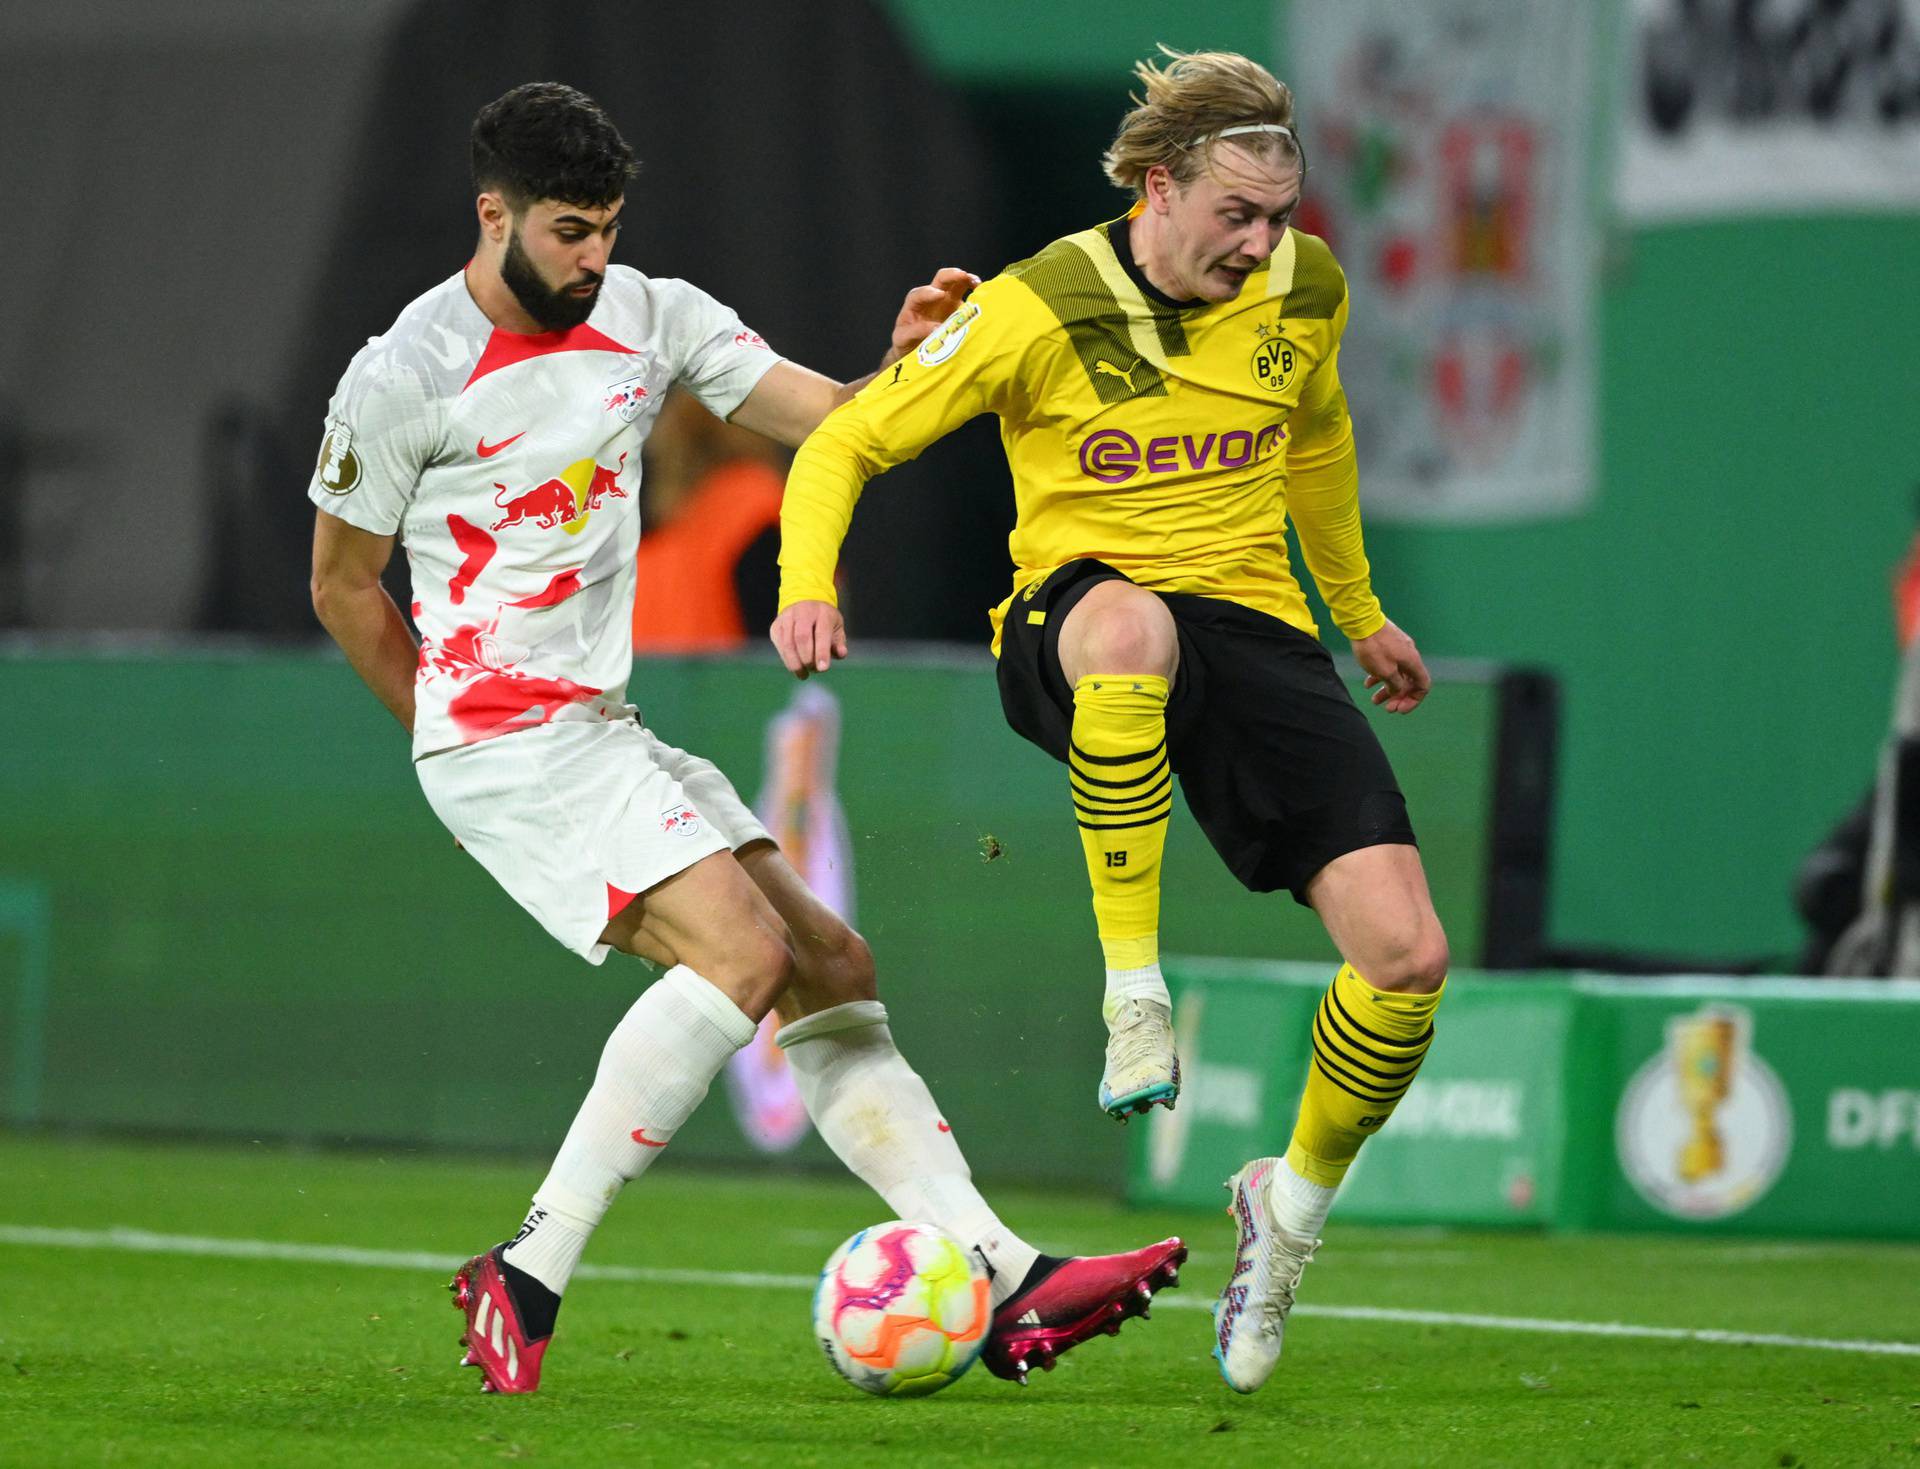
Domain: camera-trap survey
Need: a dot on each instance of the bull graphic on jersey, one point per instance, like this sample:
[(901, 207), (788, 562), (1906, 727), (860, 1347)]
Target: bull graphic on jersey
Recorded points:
[(503, 671), (563, 502)]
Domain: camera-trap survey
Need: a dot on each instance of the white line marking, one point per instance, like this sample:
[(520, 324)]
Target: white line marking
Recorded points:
[(143, 1242)]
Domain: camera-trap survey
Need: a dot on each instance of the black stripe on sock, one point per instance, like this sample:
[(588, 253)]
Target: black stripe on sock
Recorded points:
[(1124, 825), (1371, 1091), (1362, 1096), (1158, 789), (1160, 809), (1322, 1042), (1400, 1056), (1121, 784), (1164, 803), (1081, 754), (1373, 1078), (1385, 1040)]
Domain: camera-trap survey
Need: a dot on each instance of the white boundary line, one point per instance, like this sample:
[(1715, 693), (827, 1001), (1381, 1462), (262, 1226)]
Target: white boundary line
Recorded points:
[(144, 1242)]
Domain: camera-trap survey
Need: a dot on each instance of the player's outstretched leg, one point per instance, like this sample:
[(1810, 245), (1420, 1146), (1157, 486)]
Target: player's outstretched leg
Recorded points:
[(876, 1113), (1121, 778), (1367, 1045), (653, 1073)]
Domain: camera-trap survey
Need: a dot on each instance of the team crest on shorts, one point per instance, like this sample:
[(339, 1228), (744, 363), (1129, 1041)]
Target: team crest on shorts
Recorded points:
[(681, 821)]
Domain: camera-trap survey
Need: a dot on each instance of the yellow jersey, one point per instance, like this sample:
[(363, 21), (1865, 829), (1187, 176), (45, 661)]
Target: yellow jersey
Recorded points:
[(1169, 440)]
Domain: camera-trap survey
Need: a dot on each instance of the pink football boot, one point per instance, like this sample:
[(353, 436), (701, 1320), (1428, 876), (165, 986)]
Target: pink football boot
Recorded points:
[(496, 1342), (1078, 1299)]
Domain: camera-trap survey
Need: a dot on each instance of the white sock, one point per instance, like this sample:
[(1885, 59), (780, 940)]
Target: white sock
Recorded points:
[(655, 1070), (547, 1247), (1300, 1206), (877, 1114), (1135, 984)]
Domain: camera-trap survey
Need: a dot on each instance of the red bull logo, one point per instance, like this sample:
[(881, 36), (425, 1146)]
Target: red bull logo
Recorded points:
[(681, 820), (563, 502)]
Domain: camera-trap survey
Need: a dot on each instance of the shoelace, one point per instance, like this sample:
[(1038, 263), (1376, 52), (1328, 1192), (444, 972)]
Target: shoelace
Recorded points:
[(1138, 1038), (1279, 1300)]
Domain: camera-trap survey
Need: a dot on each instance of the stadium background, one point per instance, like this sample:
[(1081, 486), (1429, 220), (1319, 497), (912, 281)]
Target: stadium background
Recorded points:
[(212, 840)]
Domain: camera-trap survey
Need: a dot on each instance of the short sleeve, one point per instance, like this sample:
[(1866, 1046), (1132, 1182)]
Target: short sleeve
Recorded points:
[(715, 356), (381, 429)]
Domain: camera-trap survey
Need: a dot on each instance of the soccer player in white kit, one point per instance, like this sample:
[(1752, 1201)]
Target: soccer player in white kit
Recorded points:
[(495, 430)]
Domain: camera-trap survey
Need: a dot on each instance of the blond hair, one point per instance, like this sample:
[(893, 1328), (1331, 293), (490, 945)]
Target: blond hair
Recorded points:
[(1188, 103)]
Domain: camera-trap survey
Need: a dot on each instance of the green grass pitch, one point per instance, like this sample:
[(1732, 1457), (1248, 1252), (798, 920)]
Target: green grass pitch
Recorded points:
[(131, 1356)]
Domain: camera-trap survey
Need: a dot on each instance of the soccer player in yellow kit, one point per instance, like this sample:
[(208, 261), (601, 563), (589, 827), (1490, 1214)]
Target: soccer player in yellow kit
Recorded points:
[(1168, 392)]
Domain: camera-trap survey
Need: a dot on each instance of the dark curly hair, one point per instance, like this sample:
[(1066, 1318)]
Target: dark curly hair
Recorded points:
[(545, 140)]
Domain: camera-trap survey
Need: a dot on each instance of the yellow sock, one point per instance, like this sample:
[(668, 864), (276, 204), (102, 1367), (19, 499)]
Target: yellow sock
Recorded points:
[(1367, 1047), (1122, 794)]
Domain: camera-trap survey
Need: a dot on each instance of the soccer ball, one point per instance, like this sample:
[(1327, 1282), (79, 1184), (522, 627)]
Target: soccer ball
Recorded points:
[(902, 1309)]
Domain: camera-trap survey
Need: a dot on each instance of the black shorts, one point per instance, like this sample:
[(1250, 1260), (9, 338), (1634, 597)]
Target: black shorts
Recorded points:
[(1278, 765)]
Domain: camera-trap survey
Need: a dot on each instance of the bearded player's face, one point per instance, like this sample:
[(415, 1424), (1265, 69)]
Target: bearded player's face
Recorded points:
[(556, 258), (1223, 224)]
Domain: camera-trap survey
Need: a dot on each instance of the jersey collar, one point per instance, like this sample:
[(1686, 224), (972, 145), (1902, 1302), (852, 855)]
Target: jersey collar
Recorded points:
[(1121, 238)]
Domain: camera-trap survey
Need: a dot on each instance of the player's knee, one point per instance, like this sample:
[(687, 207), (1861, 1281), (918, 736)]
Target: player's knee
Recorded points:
[(836, 968), (1119, 628), (1414, 968), (761, 967), (851, 972), (1136, 637)]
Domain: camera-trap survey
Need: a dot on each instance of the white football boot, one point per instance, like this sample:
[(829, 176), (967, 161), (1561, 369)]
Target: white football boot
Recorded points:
[(1142, 1070), (1250, 1318)]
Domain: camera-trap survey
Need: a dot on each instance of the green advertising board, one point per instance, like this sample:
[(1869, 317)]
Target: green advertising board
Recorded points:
[(225, 906), (1753, 1106), (1764, 1106)]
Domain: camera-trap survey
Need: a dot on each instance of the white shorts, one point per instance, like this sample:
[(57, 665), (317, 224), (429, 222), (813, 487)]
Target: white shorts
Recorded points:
[(574, 818)]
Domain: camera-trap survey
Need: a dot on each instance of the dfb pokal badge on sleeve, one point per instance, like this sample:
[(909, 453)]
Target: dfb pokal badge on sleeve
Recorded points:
[(339, 467)]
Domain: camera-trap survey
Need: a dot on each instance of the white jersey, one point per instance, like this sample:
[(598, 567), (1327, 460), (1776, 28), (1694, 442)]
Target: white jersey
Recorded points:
[(509, 465)]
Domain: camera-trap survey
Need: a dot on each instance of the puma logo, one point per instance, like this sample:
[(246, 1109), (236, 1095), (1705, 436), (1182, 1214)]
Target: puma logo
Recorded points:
[(1104, 368)]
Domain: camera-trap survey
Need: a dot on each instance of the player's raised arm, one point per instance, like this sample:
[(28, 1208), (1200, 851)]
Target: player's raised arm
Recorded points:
[(970, 366), (790, 401)]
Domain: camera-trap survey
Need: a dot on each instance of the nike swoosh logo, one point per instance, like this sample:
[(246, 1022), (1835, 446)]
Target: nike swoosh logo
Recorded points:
[(640, 1136), (487, 451)]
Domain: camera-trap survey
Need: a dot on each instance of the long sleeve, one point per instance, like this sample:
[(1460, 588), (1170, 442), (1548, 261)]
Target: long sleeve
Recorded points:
[(1323, 497), (968, 367)]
